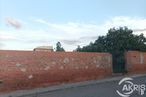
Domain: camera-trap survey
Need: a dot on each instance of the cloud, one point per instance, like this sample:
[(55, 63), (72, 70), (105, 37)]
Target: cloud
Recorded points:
[(13, 23), (79, 40), (84, 29), (130, 22), (6, 37), (88, 37), (71, 42), (70, 27), (74, 33), (139, 30), (70, 33)]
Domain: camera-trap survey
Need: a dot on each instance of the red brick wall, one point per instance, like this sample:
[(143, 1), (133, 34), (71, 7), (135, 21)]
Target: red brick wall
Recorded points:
[(28, 69), (136, 61)]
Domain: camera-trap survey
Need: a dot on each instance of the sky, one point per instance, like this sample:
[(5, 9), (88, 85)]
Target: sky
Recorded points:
[(26, 24)]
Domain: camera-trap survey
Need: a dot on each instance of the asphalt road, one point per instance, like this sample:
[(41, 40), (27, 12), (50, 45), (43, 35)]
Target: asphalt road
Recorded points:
[(99, 89)]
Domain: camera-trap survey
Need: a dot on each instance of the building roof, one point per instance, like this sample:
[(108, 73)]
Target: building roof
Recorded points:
[(44, 47)]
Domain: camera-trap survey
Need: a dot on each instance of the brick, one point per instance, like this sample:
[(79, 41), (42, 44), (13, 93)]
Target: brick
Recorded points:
[(136, 62), (30, 69)]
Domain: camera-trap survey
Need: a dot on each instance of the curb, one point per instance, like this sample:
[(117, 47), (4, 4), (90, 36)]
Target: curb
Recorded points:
[(21, 93)]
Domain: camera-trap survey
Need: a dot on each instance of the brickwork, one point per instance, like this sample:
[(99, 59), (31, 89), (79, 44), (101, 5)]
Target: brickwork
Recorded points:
[(31, 69), (135, 62)]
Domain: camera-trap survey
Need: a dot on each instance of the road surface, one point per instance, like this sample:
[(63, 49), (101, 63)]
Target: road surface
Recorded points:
[(103, 88)]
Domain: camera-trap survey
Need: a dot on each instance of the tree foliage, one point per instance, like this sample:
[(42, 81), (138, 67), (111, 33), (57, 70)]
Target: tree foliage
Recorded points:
[(59, 47), (117, 41)]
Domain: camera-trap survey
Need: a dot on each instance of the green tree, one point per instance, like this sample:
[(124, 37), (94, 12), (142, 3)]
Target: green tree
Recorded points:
[(117, 41), (120, 40), (59, 47), (78, 49)]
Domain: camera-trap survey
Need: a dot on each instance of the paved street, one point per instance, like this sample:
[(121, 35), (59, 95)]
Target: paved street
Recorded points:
[(105, 88)]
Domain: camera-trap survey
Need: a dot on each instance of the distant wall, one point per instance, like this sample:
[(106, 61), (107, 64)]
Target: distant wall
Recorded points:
[(30, 69), (135, 62)]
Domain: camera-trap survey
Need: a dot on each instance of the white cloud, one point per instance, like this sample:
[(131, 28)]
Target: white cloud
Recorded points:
[(6, 37), (133, 23), (70, 42), (70, 27), (74, 33)]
